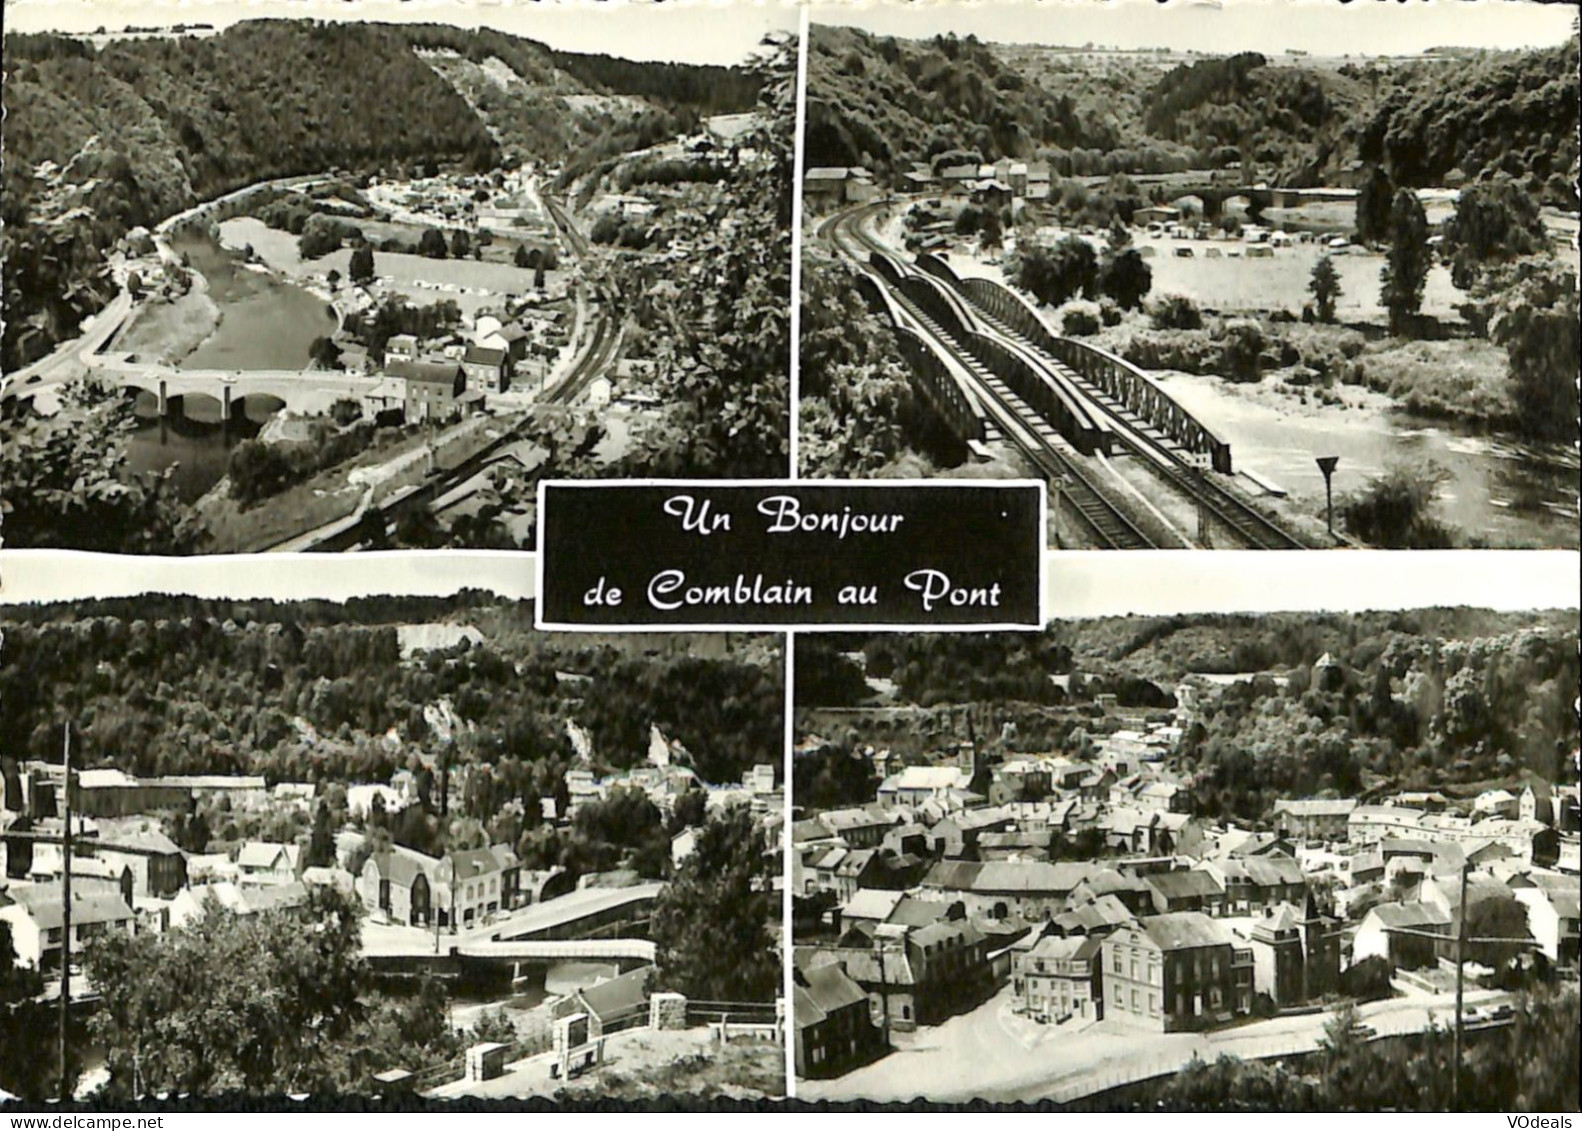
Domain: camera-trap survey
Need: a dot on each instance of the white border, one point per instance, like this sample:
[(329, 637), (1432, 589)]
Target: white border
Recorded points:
[(798, 160), (1039, 550)]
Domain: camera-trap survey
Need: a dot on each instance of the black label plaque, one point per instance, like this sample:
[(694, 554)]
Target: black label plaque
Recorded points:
[(815, 554)]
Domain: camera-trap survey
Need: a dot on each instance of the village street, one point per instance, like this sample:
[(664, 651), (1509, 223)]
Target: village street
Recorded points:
[(993, 1054)]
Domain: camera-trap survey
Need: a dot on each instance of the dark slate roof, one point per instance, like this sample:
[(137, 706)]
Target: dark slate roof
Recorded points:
[(1182, 930), (828, 989), (1184, 885), (483, 355), (426, 372), (618, 995)]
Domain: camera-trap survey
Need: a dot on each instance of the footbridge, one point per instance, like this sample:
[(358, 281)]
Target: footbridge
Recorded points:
[(560, 950)]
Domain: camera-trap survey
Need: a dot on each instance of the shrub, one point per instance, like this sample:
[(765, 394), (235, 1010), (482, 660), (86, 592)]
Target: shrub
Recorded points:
[(1176, 312), (1080, 319), (1395, 510), (1242, 345)]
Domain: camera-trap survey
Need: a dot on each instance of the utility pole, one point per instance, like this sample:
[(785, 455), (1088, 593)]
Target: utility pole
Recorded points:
[(884, 990), (1461, 968), (65, 925)]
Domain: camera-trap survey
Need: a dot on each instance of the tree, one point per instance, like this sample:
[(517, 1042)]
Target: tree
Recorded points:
[(1374, 198), (1499, 917), (1325, 286), (712, 922), (68, 486), (333, 278), (361, 267), (252, 1003), (1405, 269), (538, 277), (1126, 278), (325, 354), (460, 246), (1495, 221), (432, 244), (1536, 321), (521, 258), (1054, 275), (321, 842), (27, 1027)]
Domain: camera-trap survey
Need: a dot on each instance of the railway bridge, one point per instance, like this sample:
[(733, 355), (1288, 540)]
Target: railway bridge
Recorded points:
[(1125, 382)]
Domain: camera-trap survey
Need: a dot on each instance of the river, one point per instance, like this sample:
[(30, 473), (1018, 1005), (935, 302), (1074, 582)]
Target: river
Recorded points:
[(266, 322), (1497, 491)]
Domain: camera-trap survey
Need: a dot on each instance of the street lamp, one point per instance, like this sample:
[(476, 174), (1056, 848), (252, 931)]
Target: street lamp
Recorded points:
[(1326, 464)]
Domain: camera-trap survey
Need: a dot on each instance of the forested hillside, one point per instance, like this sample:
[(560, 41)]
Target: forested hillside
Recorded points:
[(316, 692), (1439, 696), (99, 141), (885, 102), (1515, 114)]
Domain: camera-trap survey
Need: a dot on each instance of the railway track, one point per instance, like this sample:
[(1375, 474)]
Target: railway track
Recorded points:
[(605, 341), (1246, 522), (1106, 524)]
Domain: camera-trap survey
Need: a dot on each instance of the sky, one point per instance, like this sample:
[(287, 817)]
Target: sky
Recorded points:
[(700, 31), (37, 576), (1076, 584), (1116, 583), (1319, 27)]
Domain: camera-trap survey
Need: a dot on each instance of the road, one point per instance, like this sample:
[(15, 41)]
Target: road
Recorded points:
[(994, 1054), (70, 360)]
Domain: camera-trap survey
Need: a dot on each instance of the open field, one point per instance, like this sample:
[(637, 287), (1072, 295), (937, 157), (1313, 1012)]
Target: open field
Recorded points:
[(408, 273), (1280, 282)]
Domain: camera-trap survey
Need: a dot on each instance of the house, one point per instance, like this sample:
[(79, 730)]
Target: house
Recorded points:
[(265, 862), (824, 187), (37, 920), (1397, 932), (397, 884), (917, 784), (1296, 954), (1061, 979), (194, 903), (611, 1005), (1313, 819), (957, 835), (159, 868), (834, 1025), (1099, 917), (401, 347), (1187, 891), (858, 828), (997, 889), (1175, 973), (473, 885), (1552, 902), (1156, 214), (487, 367), (914, 976), (1256, 882), (870, 905), (431, 390)]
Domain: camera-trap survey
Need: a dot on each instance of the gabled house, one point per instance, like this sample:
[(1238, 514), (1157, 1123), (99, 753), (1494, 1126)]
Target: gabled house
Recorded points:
[(1187, 891), (1062, 978), (265, 862), (1175, 973), (487, 367), (834, 1025), (37, 920)]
